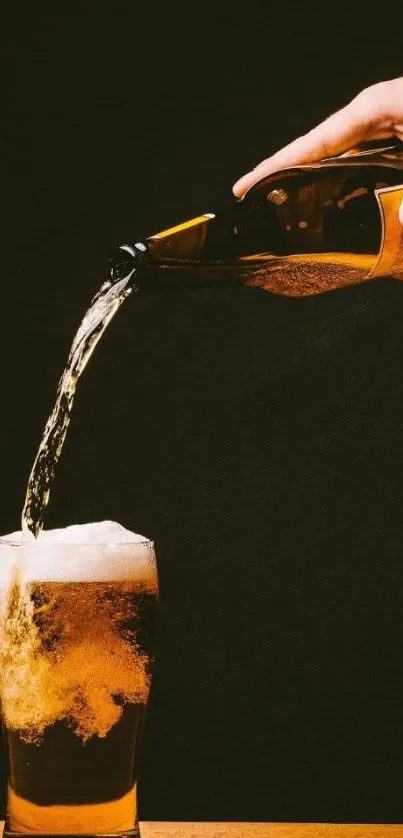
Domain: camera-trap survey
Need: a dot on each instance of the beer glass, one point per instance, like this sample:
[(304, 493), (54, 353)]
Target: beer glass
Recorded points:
[(77, 625)]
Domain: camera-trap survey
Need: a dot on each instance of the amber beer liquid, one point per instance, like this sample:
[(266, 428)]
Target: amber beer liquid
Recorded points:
[(77, 648), (299, 231)]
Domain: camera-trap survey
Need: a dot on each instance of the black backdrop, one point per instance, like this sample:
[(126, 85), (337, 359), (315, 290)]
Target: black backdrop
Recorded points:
[(258, 439)]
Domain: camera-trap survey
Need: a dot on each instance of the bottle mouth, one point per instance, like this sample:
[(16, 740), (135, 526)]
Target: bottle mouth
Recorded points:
[(125, 259)]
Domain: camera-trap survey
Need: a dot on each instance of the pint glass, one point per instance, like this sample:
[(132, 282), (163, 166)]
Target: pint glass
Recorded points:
[(77, 628)]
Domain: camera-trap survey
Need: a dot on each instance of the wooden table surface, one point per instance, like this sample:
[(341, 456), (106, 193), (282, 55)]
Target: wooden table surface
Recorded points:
[(170, 829), (156, 829)]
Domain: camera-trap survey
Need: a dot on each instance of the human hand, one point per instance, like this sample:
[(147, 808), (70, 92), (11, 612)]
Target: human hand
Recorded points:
[(375, 114)]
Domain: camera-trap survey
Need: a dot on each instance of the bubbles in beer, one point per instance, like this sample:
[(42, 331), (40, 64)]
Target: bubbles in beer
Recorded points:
[(57, 663)]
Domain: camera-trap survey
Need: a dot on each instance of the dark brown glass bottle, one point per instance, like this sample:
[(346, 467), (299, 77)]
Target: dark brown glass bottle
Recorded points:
[(297, 232)]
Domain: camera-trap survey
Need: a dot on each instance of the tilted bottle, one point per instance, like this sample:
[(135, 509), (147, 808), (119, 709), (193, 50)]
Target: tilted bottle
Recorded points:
[(299, 231)]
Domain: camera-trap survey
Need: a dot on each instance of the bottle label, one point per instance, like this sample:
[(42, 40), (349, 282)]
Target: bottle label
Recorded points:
[(186, 225), (390, 258)]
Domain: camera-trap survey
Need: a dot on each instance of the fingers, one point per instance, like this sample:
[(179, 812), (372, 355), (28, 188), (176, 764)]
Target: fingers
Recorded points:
[(369, 116)]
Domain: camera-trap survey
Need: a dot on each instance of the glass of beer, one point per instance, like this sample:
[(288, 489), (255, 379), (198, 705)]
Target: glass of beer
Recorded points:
[(77, 626)]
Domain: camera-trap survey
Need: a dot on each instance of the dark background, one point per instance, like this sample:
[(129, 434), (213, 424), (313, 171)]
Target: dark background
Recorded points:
[(258, 439)]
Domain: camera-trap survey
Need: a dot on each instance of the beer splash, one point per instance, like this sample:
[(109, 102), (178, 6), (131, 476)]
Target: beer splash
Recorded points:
[(55, 667), (103, 307)]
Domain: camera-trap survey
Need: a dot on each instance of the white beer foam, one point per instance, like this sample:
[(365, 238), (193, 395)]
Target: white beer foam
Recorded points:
[(103, 551)]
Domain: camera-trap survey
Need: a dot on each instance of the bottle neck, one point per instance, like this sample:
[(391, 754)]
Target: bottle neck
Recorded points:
[(152, 273)]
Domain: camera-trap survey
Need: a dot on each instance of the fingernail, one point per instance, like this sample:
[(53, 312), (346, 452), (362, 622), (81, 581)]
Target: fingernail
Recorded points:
[(240, 186)]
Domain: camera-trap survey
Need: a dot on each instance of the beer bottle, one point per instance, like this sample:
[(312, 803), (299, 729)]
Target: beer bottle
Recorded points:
[(299, 231)]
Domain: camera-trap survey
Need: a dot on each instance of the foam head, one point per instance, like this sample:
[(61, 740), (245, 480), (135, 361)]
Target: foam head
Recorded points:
[(102, 551)]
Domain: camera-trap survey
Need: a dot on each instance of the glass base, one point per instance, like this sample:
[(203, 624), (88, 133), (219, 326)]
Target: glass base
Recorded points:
[(112, 819)]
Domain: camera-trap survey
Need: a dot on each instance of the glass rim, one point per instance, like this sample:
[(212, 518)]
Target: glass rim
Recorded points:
[(37, 544)]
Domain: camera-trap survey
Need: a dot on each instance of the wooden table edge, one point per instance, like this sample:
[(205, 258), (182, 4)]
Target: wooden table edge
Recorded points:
[(259, 829)]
